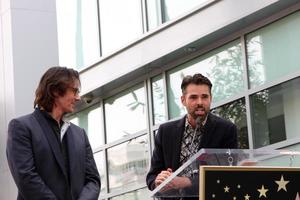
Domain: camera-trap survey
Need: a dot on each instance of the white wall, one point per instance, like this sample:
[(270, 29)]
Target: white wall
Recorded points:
[(28, 46)]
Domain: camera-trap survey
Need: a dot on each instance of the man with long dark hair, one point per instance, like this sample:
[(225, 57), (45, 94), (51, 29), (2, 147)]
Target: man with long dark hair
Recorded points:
[(50, 158)]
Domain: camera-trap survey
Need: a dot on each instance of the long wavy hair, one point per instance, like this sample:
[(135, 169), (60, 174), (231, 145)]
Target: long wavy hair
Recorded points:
[(54, 83)]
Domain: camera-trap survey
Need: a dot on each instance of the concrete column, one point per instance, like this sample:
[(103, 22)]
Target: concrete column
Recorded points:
[(28, 46)]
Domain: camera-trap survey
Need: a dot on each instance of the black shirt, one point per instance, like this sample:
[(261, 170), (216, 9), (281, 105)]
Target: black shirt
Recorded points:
[(56, 127)]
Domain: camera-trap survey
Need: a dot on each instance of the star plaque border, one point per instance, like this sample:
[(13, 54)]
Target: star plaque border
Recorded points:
[(249, 182)]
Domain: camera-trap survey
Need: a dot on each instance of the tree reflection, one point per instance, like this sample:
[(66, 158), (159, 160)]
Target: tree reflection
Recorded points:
[(158, 101), (227, 73), (136, 103), (255, 61), (259, 103), (236, 112)]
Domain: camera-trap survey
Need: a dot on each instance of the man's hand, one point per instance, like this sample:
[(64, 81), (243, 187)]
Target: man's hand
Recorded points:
[(176, 183), (162, 176), (180, 182)]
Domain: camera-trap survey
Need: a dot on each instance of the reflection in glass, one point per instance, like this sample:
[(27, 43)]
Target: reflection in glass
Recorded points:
[(119, 26), (236, 113), (223, 66), (100, 162), (78, 32), (128, 163), (273, 50), (143, 194), (174, 8), (125, 113), (91, 120), (153, 12), (158, 100), (275, 113)]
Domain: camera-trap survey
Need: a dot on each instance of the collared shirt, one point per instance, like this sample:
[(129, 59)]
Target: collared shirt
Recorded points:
[(56, 127), (190, 144)]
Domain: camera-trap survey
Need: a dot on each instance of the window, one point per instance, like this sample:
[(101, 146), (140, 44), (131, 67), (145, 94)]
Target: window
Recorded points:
[(142, 194), (125, 113), (78, 33), (273, 50), (119, 26), (275, 113), (236, 113), (128, 163), (100, 162), (222, 66), (159, 114), (153, 12), (91, 120), (75, 121), (174, 8)]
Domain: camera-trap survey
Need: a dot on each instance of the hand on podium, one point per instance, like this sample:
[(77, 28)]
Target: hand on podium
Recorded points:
[(248, 163), (178, 182)]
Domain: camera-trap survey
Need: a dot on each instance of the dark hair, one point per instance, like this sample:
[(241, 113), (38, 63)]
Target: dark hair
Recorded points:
[(55, 81), (197, 79)]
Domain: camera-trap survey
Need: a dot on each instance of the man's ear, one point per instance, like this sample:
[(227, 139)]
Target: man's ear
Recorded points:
[(183, 100), (55, 94)]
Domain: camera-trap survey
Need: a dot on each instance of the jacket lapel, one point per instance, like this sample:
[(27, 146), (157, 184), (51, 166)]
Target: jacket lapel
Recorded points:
[(47, 130), (208, 129), (72, 150), (178, 134)]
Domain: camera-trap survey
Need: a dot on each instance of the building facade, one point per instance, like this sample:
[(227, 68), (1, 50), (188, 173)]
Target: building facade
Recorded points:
[(132, 56)]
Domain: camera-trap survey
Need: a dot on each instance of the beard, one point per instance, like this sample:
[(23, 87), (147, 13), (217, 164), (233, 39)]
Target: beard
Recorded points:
[(200, 111)]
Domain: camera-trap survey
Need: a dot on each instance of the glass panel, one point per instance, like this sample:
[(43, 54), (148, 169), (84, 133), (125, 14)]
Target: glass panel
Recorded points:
[(75, 121), (275, 113), (92, 122), (273, 50), (143, 194), (158, 100), (174, 8), (78, 32), (153, 12), (125, 113), (119, 26), (236, 113), (100, 162), (223, 66), (128, 164), (234, 168)]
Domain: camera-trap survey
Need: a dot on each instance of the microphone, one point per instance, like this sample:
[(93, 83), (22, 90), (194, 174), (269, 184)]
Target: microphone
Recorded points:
[(198, 123), (198, 127)]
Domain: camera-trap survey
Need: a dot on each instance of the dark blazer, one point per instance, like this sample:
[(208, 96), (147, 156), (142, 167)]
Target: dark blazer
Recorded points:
[(37, 164), (218, 133)]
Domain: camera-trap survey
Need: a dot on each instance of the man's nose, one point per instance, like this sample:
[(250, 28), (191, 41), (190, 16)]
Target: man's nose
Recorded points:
[(199, 101), (77, 98)]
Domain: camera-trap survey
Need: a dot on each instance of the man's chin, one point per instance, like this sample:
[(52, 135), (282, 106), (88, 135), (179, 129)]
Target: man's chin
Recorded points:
[(202, 117), (69, 111)]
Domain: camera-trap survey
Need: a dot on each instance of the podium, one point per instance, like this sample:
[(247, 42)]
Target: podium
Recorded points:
[(235, 174)]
